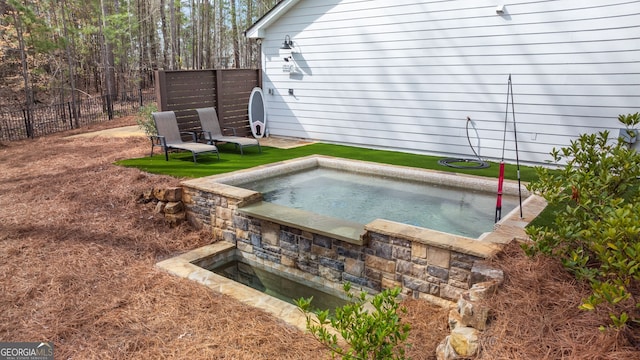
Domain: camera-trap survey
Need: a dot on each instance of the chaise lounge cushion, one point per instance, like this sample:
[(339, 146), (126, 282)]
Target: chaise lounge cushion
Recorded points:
[(212, 133), (170, 136)]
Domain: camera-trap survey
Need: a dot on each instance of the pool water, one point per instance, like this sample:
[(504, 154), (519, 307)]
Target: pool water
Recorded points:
[(278, 286), (363, 198)]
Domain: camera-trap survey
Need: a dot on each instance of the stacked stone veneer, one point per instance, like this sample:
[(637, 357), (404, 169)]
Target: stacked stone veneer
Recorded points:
[(468, 319), (425, 263), (168, 202)]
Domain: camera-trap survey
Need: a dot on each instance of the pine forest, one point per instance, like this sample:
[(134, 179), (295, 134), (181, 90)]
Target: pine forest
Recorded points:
[(55, 51)]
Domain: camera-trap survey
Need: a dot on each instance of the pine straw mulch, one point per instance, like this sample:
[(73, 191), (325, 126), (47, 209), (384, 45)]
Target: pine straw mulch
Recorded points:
[(535, 315), (77, 255)]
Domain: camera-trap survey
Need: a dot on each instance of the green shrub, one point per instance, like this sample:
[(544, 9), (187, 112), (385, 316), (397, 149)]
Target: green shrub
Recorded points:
[(378, 335), (145, 120), (596, 232)]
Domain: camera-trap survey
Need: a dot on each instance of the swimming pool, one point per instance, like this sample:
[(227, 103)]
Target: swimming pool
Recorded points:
[(363, 197), (379, 254), (281, 285)]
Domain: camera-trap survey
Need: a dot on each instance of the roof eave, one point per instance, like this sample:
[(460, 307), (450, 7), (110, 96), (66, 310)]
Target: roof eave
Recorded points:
[(258, 29)]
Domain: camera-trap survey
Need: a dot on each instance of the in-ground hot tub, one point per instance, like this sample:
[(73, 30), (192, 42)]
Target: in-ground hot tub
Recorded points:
[(361, 195), (329, 250)]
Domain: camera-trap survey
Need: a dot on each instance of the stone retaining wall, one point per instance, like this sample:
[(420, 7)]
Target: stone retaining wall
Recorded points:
[(427, 264), (168, 202)]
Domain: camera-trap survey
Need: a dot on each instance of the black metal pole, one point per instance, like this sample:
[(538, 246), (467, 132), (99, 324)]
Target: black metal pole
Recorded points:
[(27, 122), (515, 135), (70, 114), (109, 107), (501, 170)]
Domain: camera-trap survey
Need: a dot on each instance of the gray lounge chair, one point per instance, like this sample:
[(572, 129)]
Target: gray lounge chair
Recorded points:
[(212, 133), (169, 137)]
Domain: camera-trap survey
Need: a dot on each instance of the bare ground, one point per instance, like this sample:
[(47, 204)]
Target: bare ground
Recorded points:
[(77, 257)]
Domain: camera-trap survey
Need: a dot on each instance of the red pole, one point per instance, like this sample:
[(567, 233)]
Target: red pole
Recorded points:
[(499, 199)]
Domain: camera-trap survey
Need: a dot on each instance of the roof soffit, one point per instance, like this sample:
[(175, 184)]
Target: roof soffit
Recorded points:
[(258, 29)]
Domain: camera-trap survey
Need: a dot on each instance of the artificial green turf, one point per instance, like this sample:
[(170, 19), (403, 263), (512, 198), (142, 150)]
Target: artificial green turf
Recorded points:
[(181, 164)]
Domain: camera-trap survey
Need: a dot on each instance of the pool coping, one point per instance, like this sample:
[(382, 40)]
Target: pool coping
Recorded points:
[(347, 231), (250, 202), (184, 266), (224, 183)]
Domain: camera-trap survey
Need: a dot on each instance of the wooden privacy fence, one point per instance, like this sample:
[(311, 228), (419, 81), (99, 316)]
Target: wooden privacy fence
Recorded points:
[(228, 91)]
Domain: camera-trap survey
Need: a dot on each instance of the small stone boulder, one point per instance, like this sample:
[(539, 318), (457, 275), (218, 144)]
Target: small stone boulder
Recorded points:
[(174, 207), (445, 351), (455, 319), (483, 290), (173, 194), (160, 206), (482, 273), (146, 196), (160, 194), (472, 314), (175, 219), (464, 340)]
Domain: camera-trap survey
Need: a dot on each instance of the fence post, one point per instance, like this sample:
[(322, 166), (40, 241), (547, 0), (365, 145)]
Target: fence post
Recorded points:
[(109, 107), (161, 90), (27, 122), (63, 112), (77, 111), (219, 105), (70, 114)]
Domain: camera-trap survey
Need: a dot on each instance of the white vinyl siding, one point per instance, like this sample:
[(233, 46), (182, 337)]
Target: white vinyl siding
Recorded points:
[(406, 74)]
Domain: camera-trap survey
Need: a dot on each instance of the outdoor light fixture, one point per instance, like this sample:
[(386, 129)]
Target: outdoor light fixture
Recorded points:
[(500, 9), (287, 44), (286, 52)]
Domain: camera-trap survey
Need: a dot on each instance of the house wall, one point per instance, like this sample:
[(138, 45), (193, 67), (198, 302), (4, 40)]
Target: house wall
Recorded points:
[(405, 74)]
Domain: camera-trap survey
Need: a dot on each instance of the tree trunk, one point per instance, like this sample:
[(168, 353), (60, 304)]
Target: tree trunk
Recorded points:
[(166, 37), (178, 28), (72, 76), (200, 39), (28, 94), (234, 35), (248, 44), (153, 55), (107, 59), (208, 54), (142, 47), (194, 49), (219, 36), (174, 34)]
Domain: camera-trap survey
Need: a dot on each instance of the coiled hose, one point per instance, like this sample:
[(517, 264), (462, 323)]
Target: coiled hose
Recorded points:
[(466, 163)]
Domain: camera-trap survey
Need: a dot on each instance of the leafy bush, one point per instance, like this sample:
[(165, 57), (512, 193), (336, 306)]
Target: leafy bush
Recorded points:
[(145, 120), (378, 335), (596, 232)]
